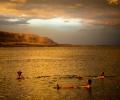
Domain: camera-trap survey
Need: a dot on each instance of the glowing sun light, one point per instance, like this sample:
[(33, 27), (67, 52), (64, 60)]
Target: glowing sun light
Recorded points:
[(55, 22)]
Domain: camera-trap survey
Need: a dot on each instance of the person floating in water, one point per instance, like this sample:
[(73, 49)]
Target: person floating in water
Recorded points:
[(101, 76), (19, 75), (88, 85)]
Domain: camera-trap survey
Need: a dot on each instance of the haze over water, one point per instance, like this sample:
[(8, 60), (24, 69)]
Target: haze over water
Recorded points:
[(44, 67)]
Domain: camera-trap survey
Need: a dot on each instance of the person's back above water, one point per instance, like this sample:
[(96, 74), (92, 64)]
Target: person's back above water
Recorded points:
[(87, 86)]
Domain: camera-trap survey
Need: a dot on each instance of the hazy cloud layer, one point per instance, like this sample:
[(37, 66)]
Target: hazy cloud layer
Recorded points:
[(7, 20)]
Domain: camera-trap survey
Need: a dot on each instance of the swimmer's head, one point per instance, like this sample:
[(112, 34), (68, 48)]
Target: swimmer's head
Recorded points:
[(102, 73), (89, 81)]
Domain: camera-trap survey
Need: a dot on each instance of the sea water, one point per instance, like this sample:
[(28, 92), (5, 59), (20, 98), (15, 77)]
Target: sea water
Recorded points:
[(44, 67)]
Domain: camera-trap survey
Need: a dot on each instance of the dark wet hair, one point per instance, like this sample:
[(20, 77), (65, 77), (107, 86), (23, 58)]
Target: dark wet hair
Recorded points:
[(102, 73), (89, 81), (58, 87)]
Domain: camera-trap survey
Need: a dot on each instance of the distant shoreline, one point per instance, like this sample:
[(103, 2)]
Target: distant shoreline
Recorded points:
[(54, 45)]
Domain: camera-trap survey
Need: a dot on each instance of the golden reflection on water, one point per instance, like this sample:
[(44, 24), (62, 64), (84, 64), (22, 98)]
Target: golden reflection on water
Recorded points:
[(43, 68)]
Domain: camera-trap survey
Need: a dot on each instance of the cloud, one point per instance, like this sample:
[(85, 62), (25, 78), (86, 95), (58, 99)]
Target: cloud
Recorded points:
[(12, 20), (112, 19), (114, 2), (108, 22), (47, 9), (19, 1), (56, 8)]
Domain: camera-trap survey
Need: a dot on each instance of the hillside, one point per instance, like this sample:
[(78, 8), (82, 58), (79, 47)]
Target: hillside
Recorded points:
[(21, 39)]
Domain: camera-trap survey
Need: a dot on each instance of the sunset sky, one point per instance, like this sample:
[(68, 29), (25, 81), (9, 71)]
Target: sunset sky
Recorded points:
[(64, 21)]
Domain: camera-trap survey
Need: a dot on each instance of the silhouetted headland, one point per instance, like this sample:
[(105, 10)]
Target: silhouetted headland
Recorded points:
[(9, 39)]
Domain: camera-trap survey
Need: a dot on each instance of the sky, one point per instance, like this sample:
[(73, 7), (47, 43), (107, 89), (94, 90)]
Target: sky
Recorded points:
[(64, 21)]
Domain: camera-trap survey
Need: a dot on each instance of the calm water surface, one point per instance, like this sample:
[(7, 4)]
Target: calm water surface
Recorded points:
[(44, 67)]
